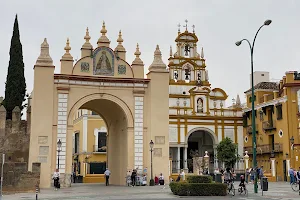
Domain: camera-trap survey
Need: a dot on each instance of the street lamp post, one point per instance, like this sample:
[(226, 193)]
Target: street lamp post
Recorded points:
[(238, 43), (58, 151), (151, 150), (292, 140)]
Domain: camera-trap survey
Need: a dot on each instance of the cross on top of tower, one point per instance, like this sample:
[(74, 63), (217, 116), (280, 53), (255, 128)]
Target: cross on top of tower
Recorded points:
[(193, 28), (186, 21), (179, 27)]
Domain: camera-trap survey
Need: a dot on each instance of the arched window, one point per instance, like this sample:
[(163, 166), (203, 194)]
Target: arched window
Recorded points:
[(199, 105)]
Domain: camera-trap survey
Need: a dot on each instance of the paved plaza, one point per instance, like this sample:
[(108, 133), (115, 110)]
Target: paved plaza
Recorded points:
[(99, 191)]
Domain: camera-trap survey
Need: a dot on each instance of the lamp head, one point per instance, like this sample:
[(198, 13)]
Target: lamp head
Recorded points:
[(268, 22), (59, 144), (151, 144), (292, 139), (238, 43)]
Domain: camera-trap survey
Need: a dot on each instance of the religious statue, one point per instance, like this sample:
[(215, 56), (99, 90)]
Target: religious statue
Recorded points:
[(194, 153), (187, 49), (175, 75), (199, 106), (103, 66), (187, 74)]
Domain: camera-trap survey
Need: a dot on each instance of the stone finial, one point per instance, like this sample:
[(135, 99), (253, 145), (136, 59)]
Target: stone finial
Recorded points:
[(171, 53), (206, 154), (157, 64), (67, 55), (16, 114), (103, 40), (87, 37), (120, 46), (16, 109), (44, 59), (238, 101), (246, 155), (137, 60), (202, 53)]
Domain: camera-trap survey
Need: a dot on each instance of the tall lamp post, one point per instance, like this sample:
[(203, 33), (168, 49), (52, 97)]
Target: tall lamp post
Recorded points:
[(151, 150), (238, 43), (58, 151), (292, 140)]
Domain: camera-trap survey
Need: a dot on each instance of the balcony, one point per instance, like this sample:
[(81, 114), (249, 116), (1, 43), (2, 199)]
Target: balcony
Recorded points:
[(99, 149), (269, 125), (249, 129), (266, 148)]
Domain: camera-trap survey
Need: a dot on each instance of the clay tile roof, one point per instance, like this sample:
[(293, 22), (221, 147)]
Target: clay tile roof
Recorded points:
[(265, 86)]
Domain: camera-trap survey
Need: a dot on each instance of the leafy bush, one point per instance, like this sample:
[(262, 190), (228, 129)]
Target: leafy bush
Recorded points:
[(199, 179), (198, 189)]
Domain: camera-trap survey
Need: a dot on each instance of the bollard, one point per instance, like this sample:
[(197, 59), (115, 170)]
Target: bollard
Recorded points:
[(36, 192)]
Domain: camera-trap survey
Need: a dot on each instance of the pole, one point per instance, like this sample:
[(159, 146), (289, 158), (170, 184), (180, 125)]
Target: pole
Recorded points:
[(58, 159), (1, 185), (253, 123), (151, 165)]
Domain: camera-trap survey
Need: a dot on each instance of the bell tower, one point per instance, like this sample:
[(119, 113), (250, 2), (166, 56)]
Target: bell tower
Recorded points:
[(186, 65)]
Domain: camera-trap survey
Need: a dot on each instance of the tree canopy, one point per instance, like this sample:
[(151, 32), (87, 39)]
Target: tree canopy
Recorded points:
[(227, 152), (15, 86)]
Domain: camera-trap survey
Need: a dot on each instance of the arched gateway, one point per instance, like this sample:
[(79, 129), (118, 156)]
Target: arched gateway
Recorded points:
[(101, 81)]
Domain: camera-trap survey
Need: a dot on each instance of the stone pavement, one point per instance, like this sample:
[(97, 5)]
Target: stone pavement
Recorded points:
[(279, 190)]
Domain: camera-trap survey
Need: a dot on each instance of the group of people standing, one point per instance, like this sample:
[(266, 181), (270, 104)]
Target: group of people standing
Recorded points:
[(294, 175)]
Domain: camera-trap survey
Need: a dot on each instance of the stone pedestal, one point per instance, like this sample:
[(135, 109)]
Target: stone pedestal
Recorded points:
[(198, 165), (273, 168)]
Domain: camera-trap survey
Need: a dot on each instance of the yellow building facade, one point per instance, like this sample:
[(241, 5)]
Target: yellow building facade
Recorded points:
[(277, 126), (89, 147), (198, 116)]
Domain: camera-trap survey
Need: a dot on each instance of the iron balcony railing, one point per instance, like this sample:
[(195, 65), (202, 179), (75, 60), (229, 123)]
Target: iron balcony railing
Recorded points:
[(269, 125), (99, 148), (249, 129), (266, 148)]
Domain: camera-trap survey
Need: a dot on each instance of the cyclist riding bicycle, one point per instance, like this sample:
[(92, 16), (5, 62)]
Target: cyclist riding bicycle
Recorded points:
[(228, 177)]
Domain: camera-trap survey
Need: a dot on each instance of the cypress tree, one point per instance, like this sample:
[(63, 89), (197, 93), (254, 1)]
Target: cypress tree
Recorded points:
[(15, 86)]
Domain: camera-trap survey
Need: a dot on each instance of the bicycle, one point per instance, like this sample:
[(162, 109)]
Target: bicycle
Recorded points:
[(243, 190), (295, 186), (230, 187)]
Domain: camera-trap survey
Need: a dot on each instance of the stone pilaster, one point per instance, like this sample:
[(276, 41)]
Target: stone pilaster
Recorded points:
[(138, 132)]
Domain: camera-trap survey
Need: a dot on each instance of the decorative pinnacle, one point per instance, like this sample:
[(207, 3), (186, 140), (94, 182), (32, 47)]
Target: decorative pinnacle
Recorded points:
[(120, 39), (68, 48), (193, 28), (186, 22), (171, 53), (137, 52), (44, 59), (157, 64), (179, 27), (87, 36), (103, 30), (202, 53)]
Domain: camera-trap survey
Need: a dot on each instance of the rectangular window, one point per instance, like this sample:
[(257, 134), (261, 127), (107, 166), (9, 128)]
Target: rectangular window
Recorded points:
[(97, 168), (76, 149), (279, 111), (101, 141), (245, 121)]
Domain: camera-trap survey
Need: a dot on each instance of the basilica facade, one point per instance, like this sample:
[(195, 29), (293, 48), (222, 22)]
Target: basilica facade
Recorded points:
[(198, 116)]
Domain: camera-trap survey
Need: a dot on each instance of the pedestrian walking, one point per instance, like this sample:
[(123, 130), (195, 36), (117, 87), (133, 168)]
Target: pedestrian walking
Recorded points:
[(291, 173), (55, 178), (133, 178), (107, 175)]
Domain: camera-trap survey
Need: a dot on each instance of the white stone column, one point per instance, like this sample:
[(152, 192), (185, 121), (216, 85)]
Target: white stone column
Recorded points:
[(273, 169), (178, 159), (216, 165), (246, 159), (288, 166), (84, 134), (96, 139), (185, 167)]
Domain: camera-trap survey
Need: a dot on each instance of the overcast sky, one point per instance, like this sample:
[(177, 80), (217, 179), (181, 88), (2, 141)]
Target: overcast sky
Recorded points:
[(219, 24)]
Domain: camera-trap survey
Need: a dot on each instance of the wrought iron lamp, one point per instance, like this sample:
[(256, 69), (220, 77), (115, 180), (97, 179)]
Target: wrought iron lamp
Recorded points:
[(151, 144), (58, 151)]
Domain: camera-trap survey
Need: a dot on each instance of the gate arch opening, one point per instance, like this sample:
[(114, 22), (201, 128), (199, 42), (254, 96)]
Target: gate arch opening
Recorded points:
[(119, 141)]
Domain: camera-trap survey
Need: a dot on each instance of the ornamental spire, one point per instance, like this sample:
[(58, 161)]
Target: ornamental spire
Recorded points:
[(157, 64), (171, 52), (103, 40), (137, 60), (67, 48), (202, 53), (44, 59), (120, 46), (87, 37)]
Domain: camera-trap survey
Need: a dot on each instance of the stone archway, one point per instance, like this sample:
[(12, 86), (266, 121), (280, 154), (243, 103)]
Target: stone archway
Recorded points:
[(118, 118), (200, 140)]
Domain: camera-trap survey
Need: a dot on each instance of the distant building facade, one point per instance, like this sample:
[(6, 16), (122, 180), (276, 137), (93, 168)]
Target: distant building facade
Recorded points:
[(277, 126)]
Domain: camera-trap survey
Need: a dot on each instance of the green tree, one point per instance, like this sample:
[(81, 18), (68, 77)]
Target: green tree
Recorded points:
[(15, 86), (226, 152)]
